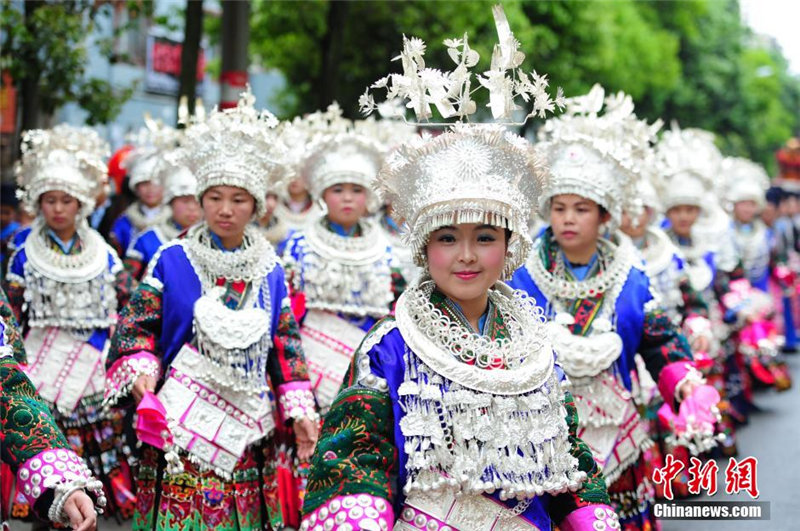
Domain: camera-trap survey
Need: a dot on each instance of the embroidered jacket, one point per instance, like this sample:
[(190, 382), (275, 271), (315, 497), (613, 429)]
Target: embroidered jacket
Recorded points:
[(158, 321), (368, 436), (31, 443)]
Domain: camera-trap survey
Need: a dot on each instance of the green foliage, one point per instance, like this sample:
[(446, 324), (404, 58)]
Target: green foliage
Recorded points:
[(692, 61), (48, 47)]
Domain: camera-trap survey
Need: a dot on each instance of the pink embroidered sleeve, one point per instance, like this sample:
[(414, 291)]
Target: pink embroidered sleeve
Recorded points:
[(351, 513), (124, 372), (590, 518), (62, 471), (296, 400)]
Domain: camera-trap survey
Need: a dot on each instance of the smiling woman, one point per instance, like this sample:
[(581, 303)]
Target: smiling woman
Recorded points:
[(465, 261), (598, 299), (455, 395)]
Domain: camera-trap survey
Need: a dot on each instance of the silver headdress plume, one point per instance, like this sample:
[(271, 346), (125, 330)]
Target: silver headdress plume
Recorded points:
[(65, 158), (598, 149), (451, 92), (235, 147), (471, 173)]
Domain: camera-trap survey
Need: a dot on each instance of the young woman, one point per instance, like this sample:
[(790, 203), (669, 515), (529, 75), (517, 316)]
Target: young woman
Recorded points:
[(685, 308), (598, 300), (148, 210), (180, 189), (746, 185), (211, 329), (458, 397), (297, 208), (699, 227), (342, 275), (31, 440), (65, 285)]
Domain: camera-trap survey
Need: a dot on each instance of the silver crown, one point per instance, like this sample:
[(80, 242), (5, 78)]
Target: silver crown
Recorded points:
[(344, 158), (686, 164), (177, 180), (236, 147), (743, 180), (469, 174), (597, 149), (65, 158), (150, 143)]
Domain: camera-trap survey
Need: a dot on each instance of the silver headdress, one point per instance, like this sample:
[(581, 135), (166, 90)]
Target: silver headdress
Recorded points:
[(597, 156), (326, 149), (235, 147), (687, 163), (177, 180), (65, 158), (150, 142), (344, 158), (471, 173), (743, 180)]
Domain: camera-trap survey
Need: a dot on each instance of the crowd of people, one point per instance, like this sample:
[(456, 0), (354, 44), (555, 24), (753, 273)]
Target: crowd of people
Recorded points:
[(327, 323)]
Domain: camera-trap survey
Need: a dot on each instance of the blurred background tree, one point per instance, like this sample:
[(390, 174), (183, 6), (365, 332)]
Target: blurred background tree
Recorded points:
[(44, 49), (692, 61)]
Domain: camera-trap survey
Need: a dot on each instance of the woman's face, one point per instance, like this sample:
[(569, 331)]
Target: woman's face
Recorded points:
[(228, 210), (745, 211), (576, 222), (150, 193), (297, 187), (186, 210), (682, 217), (638, 229), (466, 260), (347, 203), (59, 209)]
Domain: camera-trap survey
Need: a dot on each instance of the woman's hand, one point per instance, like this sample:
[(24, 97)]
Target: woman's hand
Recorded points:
[(80, 511), (143, 383), (306, 432)]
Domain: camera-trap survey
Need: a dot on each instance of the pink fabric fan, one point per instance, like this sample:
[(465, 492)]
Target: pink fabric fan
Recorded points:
[(151, 426)]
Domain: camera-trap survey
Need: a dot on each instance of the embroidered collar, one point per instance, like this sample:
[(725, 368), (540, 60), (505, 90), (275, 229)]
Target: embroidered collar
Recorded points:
[(367, 249), (252, 262), (141, 221), (441, 342), (614, 261), (216, 242), (352, 232), (489, 324), (66, 247)]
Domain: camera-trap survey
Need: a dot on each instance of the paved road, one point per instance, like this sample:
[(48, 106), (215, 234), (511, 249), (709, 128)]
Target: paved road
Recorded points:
[(773, 436)]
